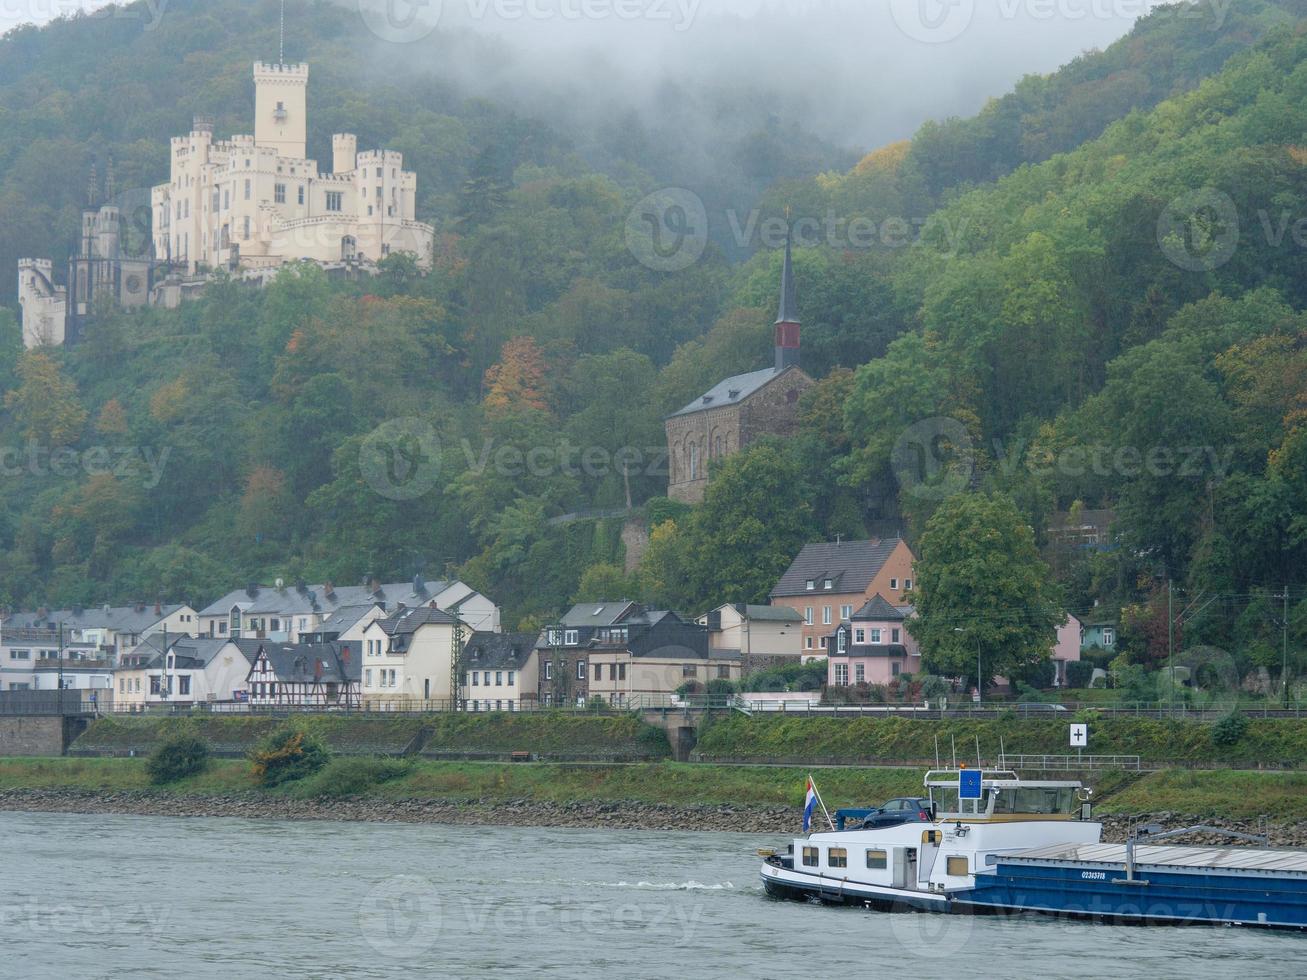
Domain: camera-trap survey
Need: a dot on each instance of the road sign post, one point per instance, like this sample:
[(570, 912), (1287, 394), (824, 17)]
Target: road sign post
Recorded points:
[(1079, 739)]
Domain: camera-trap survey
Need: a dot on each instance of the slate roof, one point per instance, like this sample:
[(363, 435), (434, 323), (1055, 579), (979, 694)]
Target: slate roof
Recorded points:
[(850, 564), (732, 391), (878, 608), (488, 651), (405, 622), (770, 614), (122, 619), (604, 613), (199, 651), (347, 617), (295, 600), (299, 661)]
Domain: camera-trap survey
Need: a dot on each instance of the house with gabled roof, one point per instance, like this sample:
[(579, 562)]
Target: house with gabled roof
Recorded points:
[(185, 670), (304, 675), (499, 672), (741, 409), (828, 581), (763, 636), (411, 657), (621, 650), (297, 613), (873, 646), (118, 629)]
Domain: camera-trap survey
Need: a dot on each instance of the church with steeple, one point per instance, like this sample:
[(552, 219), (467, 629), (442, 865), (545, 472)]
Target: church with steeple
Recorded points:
[(741, 409)]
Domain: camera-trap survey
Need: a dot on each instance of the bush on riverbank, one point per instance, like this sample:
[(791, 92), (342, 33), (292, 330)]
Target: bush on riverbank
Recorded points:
[(178, 757), (288, 754), (354, 776)]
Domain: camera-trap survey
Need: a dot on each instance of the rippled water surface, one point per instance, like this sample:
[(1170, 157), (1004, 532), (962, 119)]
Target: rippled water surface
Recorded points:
[(110, 896)]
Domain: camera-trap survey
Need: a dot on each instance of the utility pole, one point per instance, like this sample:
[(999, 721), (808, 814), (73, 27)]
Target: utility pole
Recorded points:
[(1170, 642), (61, 669), (1284, 647)]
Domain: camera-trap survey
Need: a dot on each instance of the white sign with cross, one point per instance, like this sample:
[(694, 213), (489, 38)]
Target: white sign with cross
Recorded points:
[(1079, 736)]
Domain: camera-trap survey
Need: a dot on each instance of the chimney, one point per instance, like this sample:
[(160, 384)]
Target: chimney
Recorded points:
[(787, 320), (328, 590)]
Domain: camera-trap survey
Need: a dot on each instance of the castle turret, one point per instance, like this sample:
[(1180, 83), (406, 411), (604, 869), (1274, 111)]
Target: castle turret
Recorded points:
[(281, 108), (344, 153), (787, 321)]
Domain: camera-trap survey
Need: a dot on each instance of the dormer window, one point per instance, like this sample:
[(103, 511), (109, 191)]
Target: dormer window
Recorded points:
[(570, 638), (841, 641), (810, 585), (827, 584)]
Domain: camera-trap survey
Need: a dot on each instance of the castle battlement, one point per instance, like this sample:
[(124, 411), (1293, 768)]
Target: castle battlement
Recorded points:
[(290, 73)]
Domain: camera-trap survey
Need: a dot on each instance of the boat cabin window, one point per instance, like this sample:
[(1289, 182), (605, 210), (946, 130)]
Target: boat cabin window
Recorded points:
[(877, 860), (957, 866), (837, 857), (810, 857), (1036, 799)]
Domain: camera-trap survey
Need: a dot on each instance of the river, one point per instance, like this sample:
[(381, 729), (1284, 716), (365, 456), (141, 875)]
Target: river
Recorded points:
[(119, 896)]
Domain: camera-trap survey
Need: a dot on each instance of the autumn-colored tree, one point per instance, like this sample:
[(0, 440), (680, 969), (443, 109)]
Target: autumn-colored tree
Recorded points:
[(887, 159), (45, 402), (517, 382), (169, 401), (112, 420)]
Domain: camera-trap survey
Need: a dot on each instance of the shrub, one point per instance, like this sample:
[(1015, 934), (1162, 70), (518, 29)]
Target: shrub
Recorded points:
[(353, 776), (288, 754), (720, 687), (176, 758), (1230, 729), (1079, 673)]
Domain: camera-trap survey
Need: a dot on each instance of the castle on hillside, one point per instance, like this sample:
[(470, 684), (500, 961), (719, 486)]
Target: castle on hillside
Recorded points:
[(245, 205)]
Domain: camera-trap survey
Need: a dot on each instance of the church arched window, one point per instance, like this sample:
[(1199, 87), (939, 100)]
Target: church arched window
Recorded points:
[(694, 462)]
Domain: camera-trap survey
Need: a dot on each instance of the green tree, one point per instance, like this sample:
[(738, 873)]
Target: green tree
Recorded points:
[(982, 592)]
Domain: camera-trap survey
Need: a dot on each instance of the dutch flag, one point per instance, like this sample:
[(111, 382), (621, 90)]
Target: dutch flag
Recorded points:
[(809, 804)]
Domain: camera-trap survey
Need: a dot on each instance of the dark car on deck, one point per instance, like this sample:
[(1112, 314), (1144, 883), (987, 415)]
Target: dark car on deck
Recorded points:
[(903, 809)]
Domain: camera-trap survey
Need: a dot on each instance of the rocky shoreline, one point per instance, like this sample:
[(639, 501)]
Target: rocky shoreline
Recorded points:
[(589, 814)]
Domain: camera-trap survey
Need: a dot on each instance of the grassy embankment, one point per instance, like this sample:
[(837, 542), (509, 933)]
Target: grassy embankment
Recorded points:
[(1266, 743), (1218, 793), (551, 735)]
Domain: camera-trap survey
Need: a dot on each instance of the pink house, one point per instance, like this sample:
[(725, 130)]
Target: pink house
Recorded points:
[(872, 646), (1066, 649)]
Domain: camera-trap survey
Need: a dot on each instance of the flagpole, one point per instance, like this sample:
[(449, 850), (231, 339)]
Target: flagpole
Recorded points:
[(821, 801)]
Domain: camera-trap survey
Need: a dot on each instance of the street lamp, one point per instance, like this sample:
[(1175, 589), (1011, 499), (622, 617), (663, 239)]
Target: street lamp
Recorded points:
[(980, 686)]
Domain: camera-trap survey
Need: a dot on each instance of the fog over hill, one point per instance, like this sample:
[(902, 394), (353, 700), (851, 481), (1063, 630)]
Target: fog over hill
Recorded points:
[(857, 73)]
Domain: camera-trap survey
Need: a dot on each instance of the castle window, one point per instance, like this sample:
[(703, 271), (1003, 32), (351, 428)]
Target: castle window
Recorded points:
[(247, 183), (694, 462), (246, 231), (279, 193), (301, 194), (333, 200)]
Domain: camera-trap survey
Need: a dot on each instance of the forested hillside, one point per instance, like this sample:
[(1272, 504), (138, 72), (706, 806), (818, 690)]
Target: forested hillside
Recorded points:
[(1069, 302)]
